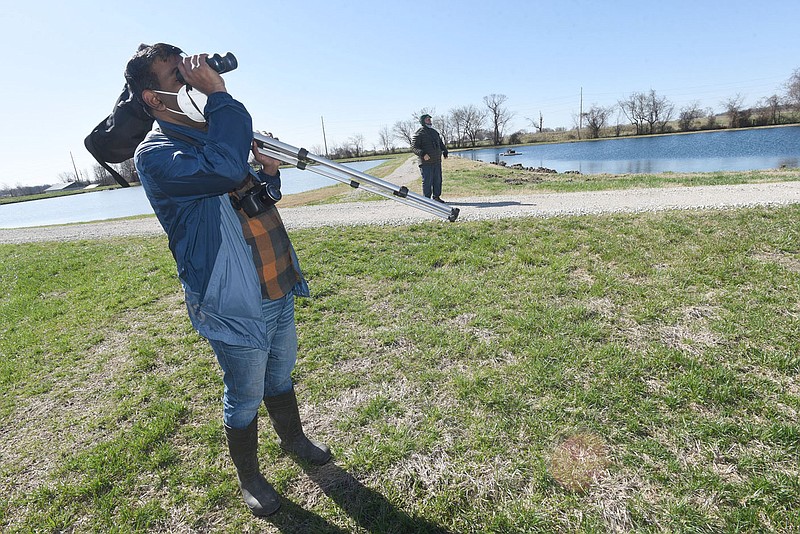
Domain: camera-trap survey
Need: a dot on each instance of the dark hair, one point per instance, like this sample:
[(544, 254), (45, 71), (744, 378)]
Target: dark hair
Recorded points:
[(139, 73)]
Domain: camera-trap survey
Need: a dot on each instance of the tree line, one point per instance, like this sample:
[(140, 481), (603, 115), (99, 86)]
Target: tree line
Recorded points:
[(639, 113)]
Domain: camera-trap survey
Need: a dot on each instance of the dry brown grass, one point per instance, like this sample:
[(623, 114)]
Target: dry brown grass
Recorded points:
[(579, 460)]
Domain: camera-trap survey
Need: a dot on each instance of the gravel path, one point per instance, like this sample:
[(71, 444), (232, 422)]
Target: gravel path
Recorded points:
[(472, 208)]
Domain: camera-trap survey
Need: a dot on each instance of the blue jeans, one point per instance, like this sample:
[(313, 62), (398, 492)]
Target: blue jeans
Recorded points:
[(431, 180), (251, 374)]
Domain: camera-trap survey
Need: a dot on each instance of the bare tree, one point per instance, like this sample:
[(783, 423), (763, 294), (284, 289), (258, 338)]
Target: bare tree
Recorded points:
[(469, 120), (634, 107), (357, 144), (660, 112), (577, 122), (128, 171), (770, 109), (793, 89), (516, 137), (20, 190), (404, 130), (733, 107), (423, 111), (647, 111), (338, 151), (102, 176), (596, 119), (688, 115), (537, 125), (456, 120), (746, 118), (498, 114), (385, 139), (711, 119), (618, 125), (444, 126)]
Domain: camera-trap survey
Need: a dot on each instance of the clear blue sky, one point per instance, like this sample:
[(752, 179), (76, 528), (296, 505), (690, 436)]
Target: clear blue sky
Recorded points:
[(365, 64)]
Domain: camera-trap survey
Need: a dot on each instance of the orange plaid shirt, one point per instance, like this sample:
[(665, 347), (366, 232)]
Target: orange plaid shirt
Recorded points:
[(272, 250)]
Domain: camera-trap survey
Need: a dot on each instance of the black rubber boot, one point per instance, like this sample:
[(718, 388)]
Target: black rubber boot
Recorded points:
[(285, 419), (259, 495)]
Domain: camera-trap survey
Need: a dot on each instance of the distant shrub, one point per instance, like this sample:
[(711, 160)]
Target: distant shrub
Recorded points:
[(516, 137)]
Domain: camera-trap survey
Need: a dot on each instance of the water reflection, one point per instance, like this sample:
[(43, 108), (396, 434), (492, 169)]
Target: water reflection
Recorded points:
[(741, 150)]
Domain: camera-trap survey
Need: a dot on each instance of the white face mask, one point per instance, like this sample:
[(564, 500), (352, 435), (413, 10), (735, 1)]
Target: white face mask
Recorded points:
[(191, 102)]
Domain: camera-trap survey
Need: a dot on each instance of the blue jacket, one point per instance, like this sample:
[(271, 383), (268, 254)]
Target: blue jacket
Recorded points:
[(187, 184)]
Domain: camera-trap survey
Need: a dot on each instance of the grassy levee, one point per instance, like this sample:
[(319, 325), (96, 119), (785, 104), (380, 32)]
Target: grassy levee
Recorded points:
[(463, 177), (634, 372)]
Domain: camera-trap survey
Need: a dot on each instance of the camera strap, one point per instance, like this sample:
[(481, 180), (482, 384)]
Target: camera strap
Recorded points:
[(248, 184), (176, 135)]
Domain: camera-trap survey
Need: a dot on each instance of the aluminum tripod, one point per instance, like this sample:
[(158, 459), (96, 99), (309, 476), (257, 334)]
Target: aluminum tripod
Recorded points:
[(303, 159)]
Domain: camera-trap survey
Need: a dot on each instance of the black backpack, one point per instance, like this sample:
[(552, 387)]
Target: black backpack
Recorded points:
[(115, 139)]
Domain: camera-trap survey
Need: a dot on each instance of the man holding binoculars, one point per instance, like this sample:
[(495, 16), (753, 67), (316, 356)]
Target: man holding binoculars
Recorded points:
[(236, 263)]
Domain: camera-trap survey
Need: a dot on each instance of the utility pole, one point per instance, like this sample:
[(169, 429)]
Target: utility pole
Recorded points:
[(77, 176), (324, 139), (580, 116)]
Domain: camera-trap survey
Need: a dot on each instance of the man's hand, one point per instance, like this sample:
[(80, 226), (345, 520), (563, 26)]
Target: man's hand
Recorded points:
[(199, 74), (426, 157), (269, 164)]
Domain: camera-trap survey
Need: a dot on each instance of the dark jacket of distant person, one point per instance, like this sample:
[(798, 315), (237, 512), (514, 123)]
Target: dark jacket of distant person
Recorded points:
[(427, 140)]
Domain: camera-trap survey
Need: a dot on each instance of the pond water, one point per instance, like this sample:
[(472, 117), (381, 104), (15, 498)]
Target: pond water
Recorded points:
[(739, 150), (117, 203)]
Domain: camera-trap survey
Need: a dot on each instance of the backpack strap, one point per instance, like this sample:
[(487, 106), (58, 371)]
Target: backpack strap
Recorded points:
[(89, 144)]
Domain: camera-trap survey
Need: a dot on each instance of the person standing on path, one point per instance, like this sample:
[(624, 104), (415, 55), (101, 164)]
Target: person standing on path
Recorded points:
[(238, 268), (427, 144)]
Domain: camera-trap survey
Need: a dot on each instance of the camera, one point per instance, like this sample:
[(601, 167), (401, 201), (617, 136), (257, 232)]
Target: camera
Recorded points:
[(221, 64), (258, 199)]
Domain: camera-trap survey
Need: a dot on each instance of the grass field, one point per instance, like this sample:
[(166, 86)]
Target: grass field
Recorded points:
[(628, 373)]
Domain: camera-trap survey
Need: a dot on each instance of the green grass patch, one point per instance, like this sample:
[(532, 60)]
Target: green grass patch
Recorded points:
[(463, 177), (632, 372)]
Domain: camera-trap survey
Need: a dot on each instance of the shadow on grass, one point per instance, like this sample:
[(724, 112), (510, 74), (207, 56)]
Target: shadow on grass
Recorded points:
[(291, 518), (368, 508)]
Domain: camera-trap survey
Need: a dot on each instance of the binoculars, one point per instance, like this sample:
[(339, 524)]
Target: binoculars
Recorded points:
[(221, 64)]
